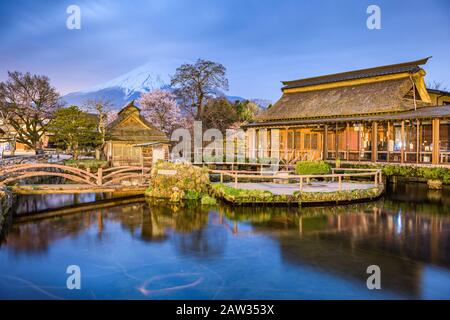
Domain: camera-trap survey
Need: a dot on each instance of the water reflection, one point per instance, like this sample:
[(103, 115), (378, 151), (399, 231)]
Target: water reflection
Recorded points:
[(246, 252), (37, 203)]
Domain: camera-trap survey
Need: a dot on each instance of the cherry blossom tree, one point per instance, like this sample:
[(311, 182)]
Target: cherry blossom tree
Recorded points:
[(161, 109), (32, 101)]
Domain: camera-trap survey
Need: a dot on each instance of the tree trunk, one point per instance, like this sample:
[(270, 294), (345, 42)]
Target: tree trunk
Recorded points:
[(13, 147)]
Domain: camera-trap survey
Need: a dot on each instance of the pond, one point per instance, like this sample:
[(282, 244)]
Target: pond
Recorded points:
[(157, 251)]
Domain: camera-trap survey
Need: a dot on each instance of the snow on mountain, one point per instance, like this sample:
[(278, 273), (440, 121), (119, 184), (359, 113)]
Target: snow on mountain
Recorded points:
[(141, 79), (129, 86), (119, 91)]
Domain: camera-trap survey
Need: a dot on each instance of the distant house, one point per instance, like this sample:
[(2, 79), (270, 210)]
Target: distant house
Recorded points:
[(381, 114), (133, 141)]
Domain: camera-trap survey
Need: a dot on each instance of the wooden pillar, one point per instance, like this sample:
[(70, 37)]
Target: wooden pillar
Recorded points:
[(435, 155), (325, 143), (420, 141), (336, 142), (286, 145), (374, 141), (388, 138), (361, 130), (417, 141), (347, 139), (99, 176), (402, 137)]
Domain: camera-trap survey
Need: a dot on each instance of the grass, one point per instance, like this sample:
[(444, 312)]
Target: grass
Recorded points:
[(92, 164), (425, 173), (207, 200), (244, 196)]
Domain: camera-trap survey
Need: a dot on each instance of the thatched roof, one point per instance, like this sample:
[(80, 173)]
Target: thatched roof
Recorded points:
[(384, 89), (376, 97), (131, 126)]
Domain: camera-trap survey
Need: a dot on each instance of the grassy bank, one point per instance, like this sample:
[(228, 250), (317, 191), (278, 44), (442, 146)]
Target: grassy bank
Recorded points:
[(408, 171), (243, 196)]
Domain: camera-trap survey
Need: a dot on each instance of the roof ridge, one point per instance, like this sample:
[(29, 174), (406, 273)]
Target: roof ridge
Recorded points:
[(411, 66)]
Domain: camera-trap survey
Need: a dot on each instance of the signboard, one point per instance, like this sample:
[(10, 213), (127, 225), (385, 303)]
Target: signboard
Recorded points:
[(167, 172)]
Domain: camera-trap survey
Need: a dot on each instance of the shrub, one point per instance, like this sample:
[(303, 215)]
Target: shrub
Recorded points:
[(188, 182), (312, 167), (207, 200), (86, 163)]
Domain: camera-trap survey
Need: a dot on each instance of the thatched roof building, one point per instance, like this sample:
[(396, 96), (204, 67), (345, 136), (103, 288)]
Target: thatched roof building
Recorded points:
[(368, 91), (365, 108), (132, 140)]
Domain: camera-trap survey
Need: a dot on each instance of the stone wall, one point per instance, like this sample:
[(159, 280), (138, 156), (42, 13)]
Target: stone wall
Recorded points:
[(178, 181), (6, 200)]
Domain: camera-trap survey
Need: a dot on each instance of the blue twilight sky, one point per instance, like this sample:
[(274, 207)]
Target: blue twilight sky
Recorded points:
[(260, 42)]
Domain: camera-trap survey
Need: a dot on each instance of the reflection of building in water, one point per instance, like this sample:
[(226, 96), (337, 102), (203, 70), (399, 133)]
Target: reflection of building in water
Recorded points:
[(37, 236), (345, 240), (425, 201)]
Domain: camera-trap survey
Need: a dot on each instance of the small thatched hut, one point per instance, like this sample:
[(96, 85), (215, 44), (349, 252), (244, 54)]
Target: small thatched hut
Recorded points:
[(133, 141)]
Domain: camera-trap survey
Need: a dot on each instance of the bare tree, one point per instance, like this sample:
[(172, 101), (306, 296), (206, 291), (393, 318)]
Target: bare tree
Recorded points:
[(436, 85), (32, 101), (195, 83), (9, 134)]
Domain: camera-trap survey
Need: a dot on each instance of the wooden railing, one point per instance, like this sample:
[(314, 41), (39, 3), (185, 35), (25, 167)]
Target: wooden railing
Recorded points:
[(103, 177), (375, 174)]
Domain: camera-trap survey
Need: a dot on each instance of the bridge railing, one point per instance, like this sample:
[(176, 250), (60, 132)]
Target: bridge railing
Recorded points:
[(372, 174), (103, 177)]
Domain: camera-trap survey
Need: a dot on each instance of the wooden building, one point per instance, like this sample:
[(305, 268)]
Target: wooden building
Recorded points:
[(382, 114), (133, 141)]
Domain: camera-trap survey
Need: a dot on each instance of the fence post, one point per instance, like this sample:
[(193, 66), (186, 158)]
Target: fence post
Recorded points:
[(376, 178), (235, 180), (301, 184), (340, 183), (100, 176), (221, 177)]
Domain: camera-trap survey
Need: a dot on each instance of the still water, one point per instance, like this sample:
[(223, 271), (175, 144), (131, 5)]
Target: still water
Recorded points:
[(157, 251)]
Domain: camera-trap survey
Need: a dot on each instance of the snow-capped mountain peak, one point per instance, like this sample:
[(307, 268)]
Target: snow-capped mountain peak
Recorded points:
[(139, 80), (129, 86)]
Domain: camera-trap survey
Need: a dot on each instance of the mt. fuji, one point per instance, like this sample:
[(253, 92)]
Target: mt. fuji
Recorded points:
[(129, 86), (122, 89)]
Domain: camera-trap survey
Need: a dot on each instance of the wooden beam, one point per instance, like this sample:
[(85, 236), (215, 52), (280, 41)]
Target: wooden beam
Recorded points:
[(374, 141)]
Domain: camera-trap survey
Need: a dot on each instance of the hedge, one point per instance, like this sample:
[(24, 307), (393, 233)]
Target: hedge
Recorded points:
[(312, 167)]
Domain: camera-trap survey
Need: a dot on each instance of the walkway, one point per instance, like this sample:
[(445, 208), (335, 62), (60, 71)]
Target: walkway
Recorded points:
[(290, 188)]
